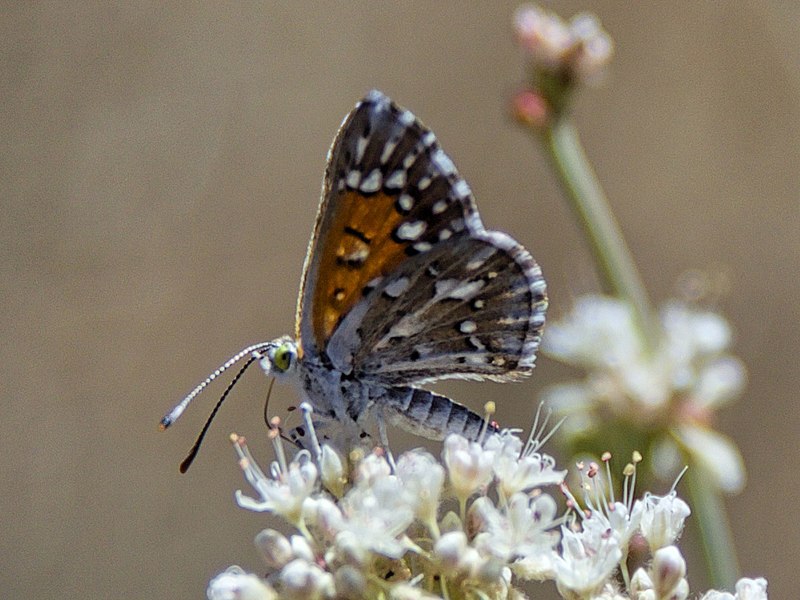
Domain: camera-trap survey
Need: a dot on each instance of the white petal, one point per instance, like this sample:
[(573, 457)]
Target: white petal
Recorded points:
[(718, 455)]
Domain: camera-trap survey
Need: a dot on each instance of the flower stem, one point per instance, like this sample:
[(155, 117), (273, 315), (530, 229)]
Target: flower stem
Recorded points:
[(615, 265), (715, 532)]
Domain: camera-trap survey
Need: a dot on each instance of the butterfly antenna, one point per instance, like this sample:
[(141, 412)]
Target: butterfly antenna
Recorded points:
[(176, 412), (187, 462)]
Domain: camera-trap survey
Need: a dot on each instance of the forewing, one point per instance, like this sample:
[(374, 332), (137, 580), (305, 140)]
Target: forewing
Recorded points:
[(369, 217)]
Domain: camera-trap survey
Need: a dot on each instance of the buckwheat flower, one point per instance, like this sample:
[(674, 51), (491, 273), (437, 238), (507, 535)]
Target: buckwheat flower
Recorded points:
[(235, 584), (542, 33), (663, 518), (324, 516), (461, 562), (668, 574), (284, 492), (668, 388), (611, 593), (641, 585), (623, 517), (275, 548), (530, 108), (423, 479), (524, 529), (349, 549), (469, 466), (587, 559), (403, 591), (378, 509), (751, 589), (715, 453), (350, 582), (332, 470), (305, 581), (451, 550), (578, 49), (519, 469), (746, 589)]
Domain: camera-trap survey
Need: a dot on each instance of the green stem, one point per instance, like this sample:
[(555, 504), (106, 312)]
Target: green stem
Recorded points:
[(711, 520), (615, 264)]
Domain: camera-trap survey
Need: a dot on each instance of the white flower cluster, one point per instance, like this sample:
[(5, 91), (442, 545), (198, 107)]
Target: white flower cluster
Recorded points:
[(675, 383), (475, 525), (580, 47)]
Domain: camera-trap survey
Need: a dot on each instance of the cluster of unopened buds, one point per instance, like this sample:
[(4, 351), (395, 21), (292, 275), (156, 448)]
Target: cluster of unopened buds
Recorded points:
[(560, 54), (477, 524)]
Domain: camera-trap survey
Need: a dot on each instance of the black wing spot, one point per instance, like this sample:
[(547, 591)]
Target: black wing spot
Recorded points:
[(357, 234)]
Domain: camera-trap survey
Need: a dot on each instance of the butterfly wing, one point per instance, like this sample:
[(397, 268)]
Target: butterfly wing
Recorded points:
[(403, 284)]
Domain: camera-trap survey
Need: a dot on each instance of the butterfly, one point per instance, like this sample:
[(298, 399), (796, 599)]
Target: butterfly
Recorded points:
[(402, 285)]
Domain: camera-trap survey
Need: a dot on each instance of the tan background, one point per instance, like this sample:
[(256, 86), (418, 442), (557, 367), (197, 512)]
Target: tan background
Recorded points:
[(159, 176)]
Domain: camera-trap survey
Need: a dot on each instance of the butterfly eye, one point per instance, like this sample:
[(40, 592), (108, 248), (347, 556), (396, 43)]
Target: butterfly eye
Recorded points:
[(284, 355)]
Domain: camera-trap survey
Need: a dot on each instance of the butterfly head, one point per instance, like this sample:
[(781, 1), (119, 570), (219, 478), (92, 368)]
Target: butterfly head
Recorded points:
[(279, 357)]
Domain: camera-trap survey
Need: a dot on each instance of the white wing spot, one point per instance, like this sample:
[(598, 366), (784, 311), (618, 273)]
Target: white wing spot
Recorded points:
[(410, 159), (478, 304), (411, 231), (396, 180), (457, 225), (457, 289), (476, 343), (443, 162), (407, 326), (428, 139), (481, 257), (424, 183), (461, 189), (445, 234), (353, 178), (373, 182), (406, 202), (422, 247), (357, 256), (439, 207), (361, 146), (397, 287), (467, 326), (406, 118), (388, 148)]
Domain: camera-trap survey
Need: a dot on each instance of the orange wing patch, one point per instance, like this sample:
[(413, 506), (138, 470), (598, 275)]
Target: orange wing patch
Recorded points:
[(358, 247)]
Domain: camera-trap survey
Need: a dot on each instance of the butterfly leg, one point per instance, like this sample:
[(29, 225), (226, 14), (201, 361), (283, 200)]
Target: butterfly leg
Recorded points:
[(384, 438)]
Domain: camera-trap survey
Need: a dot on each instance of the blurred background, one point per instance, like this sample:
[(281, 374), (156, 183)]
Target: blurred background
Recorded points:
[(159, 174)]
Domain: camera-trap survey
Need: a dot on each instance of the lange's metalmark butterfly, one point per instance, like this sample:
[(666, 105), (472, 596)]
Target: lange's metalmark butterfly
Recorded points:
[(402, 285)]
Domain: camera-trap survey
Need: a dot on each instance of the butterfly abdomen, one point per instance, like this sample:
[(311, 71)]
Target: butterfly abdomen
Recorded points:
[(430, 415)]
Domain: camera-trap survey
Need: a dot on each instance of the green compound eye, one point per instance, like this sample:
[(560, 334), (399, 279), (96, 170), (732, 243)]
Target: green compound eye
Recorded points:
[(283, 356)]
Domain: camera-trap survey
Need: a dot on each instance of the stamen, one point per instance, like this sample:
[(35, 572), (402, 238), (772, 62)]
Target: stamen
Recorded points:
[(307, 410), (277, 443), (488, 411), (678, 478), (606, 458)]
